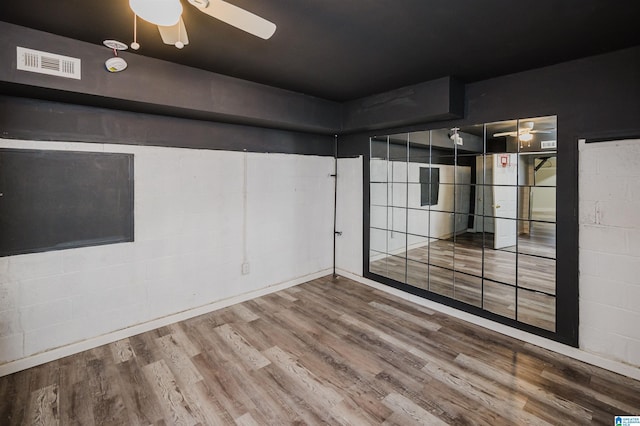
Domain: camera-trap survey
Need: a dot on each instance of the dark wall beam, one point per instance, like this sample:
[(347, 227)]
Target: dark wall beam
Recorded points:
[(435, 100), (159, 87), (35, 119)]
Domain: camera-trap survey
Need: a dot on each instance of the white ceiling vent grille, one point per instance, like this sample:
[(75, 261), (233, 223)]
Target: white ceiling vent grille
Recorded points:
[(549, 144), (48, 63)]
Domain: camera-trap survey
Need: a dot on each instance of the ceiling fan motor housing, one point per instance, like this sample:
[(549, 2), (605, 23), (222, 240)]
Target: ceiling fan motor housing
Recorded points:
[(200, 3)]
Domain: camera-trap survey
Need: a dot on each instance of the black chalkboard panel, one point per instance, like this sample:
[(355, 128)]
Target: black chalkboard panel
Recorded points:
[(429, 186), (53, 200)]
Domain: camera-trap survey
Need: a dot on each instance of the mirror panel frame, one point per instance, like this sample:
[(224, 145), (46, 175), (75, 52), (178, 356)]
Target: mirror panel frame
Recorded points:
[(436, 262)]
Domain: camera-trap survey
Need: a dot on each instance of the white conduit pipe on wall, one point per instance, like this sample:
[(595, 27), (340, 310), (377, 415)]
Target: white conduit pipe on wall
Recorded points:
[(336, 233)]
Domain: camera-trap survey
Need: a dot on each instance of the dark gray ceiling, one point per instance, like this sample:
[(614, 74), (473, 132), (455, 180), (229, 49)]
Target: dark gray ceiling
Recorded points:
[(343, 49)]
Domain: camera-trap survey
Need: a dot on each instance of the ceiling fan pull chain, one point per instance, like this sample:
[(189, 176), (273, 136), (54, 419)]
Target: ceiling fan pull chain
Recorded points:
[(135, 45), (179, 44)]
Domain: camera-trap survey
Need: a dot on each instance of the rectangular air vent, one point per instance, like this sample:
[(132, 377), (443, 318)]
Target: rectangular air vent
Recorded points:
[(548, 144), (48, 63)]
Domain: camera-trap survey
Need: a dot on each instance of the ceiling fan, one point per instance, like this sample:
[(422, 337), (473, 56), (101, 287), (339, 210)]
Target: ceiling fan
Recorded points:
[(167, 15), (524, 133)]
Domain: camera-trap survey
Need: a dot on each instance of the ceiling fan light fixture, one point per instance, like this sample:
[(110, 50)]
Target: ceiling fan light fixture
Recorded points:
[(525, 137), (200, 3), (159, 12)]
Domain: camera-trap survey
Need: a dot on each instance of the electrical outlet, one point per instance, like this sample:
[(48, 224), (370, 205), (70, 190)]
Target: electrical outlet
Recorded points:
[(245, 268)]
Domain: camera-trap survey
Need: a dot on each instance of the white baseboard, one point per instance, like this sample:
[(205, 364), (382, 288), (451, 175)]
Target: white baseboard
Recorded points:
[(74, 348), (575, 353)]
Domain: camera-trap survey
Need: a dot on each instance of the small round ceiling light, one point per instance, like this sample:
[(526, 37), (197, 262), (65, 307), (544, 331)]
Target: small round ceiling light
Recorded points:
[(115, 64), (115, 45)]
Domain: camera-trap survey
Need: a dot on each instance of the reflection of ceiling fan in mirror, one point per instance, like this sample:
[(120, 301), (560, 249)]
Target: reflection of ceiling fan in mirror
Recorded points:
[(525, 132), (167, 15)]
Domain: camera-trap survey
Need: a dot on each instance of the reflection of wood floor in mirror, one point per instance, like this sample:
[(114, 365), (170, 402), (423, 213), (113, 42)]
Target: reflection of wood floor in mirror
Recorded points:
[(329, 351), (540, 241), (454, 270)]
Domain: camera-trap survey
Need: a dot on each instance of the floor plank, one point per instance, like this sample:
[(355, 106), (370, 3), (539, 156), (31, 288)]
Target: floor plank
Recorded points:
[(327, 351), (454, 268)]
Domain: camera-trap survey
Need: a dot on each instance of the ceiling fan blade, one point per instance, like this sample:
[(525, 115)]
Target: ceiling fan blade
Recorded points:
[(238, 17), (497, 135), (542, 131), (174, 33)]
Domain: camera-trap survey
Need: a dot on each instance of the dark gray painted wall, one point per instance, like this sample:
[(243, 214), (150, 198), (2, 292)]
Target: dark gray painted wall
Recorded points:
[(34, 119), (435, 100), (596, 97)]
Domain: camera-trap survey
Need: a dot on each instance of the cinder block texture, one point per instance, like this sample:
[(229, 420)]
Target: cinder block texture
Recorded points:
[(609, 185)]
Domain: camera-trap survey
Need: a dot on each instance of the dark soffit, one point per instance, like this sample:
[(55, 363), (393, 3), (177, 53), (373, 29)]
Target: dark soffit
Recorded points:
[(343, 50)]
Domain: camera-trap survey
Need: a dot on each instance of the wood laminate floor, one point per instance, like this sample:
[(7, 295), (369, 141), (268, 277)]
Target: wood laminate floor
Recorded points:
[(325, 352)]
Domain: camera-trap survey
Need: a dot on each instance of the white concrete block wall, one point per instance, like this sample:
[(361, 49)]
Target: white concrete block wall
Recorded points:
[(349, 256), (609, 188), (190, 243), (290, 215)]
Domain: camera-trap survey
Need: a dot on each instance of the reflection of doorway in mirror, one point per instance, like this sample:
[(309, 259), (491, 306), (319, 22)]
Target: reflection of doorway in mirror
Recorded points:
[(484, 196), (543, 194), (497, 198), (505, 199)]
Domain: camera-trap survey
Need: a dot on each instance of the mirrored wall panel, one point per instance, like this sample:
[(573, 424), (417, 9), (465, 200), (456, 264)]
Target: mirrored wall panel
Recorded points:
[(470, 214)]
